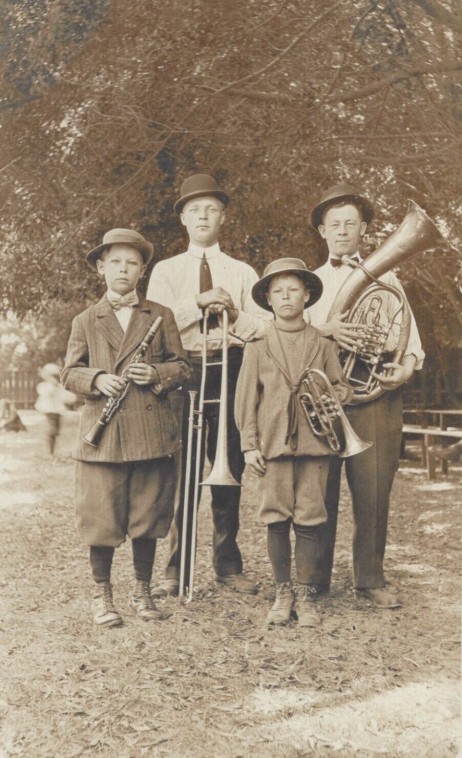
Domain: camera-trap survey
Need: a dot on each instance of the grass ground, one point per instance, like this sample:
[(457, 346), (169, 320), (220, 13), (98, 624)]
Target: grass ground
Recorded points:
[(213, 680)]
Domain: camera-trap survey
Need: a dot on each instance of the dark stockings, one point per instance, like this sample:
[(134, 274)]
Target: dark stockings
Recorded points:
[(306, 551), (144, 551)]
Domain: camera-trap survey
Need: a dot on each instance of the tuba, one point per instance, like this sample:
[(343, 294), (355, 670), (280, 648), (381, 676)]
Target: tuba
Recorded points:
[(360, 296), (322, 410)]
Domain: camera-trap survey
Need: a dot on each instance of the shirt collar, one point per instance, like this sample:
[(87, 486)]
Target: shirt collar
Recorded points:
[(115, 295), (198, 252)]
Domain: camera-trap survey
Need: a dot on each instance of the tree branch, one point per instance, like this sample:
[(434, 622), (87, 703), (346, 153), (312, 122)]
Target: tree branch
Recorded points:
[(284, 52)]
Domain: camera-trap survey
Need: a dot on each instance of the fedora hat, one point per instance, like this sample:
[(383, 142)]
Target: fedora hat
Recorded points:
[(286, 266), (199, 185), (121, 237), (336, 194)]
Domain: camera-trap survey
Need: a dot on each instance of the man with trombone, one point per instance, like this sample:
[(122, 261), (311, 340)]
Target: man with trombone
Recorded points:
[(206, 289), (341, 218)]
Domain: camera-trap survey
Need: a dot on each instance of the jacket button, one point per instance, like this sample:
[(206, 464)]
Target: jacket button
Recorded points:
[(149, 407)]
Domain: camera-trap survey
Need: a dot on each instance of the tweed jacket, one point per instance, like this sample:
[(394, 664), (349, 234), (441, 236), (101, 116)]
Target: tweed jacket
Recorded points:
[(144, 426), (263, 395)]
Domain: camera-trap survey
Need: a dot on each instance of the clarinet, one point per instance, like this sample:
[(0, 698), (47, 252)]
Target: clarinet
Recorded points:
[(113, 403)]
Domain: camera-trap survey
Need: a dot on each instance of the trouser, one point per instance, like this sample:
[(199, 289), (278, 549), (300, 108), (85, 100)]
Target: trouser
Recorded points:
[(225, 499), (370, 478)]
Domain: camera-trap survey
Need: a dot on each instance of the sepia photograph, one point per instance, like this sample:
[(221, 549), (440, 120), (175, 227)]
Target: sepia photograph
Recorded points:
[(230, 378)]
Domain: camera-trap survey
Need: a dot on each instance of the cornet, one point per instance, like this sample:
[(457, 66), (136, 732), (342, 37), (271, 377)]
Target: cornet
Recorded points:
[(322, 410), (221, 472)]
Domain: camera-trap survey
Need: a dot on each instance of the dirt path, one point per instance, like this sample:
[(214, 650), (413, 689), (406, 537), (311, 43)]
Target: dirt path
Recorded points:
[(212, 680)]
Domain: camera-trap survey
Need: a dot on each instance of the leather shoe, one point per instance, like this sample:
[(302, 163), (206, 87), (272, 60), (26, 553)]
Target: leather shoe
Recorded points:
[(379, 596), (168, 588), (238, 583)]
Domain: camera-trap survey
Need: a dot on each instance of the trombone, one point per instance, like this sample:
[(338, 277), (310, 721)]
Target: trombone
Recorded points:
[(221, 472)]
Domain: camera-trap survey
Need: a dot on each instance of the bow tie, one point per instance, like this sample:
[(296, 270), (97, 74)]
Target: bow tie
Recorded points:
[(123, 301), (335, 262)]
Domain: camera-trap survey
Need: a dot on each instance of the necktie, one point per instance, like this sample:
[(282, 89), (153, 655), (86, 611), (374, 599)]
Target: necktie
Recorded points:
[(205, 284), (123, 301)]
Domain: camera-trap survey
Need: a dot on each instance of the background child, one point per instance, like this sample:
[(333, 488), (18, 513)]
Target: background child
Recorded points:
[(125, 485), (53, 400), (278, 444)]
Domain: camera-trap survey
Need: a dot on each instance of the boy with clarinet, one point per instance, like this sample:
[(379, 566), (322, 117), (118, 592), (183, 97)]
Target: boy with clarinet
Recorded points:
[(124, 356)]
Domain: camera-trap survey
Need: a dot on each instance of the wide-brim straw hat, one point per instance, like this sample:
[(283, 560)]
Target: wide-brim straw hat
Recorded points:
[(50, 370), (286, 266), (199, 185), (121, 237), (337, 194)]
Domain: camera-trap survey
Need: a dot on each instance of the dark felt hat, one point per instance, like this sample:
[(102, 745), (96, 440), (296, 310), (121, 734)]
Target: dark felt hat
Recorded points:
[(286, 266), (199, 185), (339, 193), (121, 237)]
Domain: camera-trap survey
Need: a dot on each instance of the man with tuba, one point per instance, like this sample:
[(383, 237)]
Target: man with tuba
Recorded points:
[(341, 217), (206, 279)]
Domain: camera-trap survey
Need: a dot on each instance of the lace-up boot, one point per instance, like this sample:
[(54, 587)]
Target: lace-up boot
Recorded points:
[(104, 613), (306, 609), (144, 605), (281, 611)]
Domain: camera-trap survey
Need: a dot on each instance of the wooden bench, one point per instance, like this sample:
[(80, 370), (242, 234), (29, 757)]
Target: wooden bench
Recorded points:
[(428, 434)]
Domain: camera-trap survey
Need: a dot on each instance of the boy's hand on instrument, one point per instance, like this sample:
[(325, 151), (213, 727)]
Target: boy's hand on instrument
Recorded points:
[(256, 460), (109, 384), (142, 374)]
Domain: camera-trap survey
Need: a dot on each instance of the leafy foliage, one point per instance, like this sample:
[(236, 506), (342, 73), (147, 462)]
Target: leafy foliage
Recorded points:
[(106, 110)]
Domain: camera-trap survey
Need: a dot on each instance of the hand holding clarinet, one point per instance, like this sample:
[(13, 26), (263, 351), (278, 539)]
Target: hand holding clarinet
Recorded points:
[(115, 387)]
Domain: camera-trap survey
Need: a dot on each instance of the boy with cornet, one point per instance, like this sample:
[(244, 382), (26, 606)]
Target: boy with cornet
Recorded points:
[(278, 443)]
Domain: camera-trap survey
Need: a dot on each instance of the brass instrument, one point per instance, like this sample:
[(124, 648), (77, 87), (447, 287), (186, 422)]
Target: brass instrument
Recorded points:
[(113, 403), (415, 234), (322, 410), (221, 472)]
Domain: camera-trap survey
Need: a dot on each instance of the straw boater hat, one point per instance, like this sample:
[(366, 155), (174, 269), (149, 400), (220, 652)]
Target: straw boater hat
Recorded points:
[(199, 185), (337, 194), (121, 237), (286, 266)]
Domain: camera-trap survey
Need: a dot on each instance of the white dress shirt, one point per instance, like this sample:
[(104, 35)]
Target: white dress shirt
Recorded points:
[(123, 314), (174, 283), (332, 279)]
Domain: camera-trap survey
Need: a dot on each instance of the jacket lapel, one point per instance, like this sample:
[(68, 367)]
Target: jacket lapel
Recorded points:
[(136, 331), (107, 323), (274, 348), (312, 345)]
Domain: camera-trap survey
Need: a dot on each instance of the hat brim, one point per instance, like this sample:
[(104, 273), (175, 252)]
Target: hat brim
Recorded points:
[(179, 205), (317, 212), (145, 248), (312, 281)]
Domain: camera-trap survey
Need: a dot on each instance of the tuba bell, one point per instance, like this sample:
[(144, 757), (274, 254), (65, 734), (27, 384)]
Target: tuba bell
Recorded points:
[(360, 298)]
